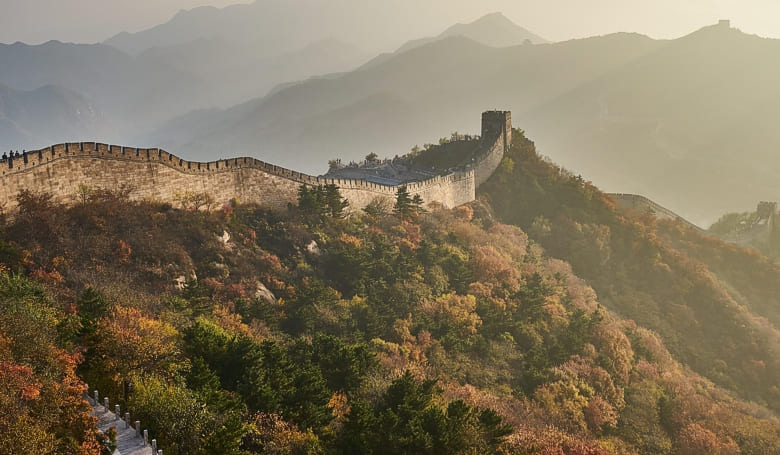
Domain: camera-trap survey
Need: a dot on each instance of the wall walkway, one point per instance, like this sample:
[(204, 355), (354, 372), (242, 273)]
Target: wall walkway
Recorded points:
[(131, 438)]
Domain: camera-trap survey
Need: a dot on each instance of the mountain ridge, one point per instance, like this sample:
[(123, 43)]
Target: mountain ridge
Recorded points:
[(493, 29), (626, 104), (619, 97), (431, 82), (67, 113)]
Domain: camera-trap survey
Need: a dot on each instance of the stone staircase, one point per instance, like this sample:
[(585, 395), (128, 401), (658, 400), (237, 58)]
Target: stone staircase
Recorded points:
[(130, 438)]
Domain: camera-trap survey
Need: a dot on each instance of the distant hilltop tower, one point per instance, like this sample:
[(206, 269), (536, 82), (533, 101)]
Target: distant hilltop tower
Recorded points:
[(766, 210), (495, 123), (724, 23)]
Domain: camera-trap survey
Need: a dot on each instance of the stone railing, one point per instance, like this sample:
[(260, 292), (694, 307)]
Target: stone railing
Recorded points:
[(130, 438)]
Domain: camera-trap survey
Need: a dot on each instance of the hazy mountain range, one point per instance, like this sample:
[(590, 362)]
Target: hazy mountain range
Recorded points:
[(686, 122), (140, 87), (690, 124), (493, 30), (415, 96), (234, 73), (276, 27), (133, 94), (67, 116)]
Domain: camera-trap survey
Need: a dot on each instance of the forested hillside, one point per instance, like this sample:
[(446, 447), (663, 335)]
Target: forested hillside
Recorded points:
[(706, 299), (390, 331)]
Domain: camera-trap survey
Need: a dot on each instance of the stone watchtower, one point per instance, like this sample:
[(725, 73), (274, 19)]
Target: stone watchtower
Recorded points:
[(495, 123), (496, 140), (766, 212)]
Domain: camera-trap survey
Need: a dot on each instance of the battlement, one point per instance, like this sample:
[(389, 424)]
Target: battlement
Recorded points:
[(88, 150), (158, 175)]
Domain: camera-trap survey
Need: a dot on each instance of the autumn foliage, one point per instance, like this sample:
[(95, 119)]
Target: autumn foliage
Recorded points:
[(566, 328)]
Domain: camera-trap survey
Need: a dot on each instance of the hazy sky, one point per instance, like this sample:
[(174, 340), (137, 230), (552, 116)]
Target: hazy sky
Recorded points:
[(34, 21)]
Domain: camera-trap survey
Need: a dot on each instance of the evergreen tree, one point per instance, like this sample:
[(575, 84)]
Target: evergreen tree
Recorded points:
[(92, 306), (310, 201), (417, 203), (335, 203), (317, 202), (403, 202)]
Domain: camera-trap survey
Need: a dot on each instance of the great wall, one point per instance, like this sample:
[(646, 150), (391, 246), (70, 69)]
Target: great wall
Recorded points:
[(155, 174), (641, 205)]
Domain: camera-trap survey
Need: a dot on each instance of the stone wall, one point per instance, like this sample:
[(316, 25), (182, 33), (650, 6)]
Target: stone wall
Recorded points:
[(496, 138), (642, 205), (150, 173), (450, 191), (489, 162), (155, 174)]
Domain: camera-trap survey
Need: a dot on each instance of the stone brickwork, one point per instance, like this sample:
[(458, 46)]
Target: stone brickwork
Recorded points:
[(155, 174), (496, 139)]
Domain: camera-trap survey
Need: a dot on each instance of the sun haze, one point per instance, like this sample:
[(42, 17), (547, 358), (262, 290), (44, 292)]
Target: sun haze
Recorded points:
[(35, 21)]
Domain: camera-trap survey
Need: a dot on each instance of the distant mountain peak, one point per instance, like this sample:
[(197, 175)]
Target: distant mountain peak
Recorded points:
[(719, 34), (493, 29), (496, 27), (493, 18)]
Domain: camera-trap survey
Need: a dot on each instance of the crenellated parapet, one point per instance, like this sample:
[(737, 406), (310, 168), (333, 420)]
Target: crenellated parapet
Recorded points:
[(88, 150), (155, 174)]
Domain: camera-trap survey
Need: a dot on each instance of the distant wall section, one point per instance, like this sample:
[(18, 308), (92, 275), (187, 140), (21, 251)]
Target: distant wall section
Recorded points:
[(642, 205)]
